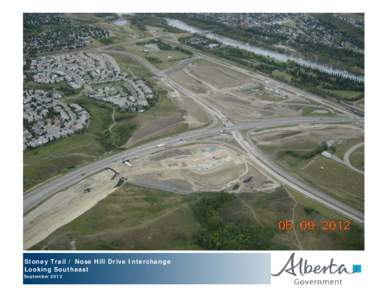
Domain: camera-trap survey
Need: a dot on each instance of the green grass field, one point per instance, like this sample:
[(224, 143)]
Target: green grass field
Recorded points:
[(329, 176), (166, 58), (162, 59), (282, 76), (357, 158), (121, 33), (308, 210), (134, 218), (305, 161), (360, 104), (130, 218), (345, 145), (177, 129), (63, 155), (346, 95), (316, 111), (129, 66), (288, 23), (163, 108)]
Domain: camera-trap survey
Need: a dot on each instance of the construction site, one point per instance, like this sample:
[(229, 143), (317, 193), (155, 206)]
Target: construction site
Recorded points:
[(182, 170), (216, 128)]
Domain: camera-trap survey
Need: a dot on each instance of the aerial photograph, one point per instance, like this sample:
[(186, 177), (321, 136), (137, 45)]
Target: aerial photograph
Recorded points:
[(193, 131)]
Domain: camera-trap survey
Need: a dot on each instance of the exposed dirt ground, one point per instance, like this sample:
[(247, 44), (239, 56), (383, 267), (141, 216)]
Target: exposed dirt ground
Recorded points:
[(238, 109), (188, 82), (65, 206), (194, 116), (240, 97), (217, 75), (206, 167)]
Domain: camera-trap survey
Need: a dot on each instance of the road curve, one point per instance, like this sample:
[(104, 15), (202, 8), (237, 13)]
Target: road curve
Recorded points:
[(347, 155), (35, 196), (281, 175)]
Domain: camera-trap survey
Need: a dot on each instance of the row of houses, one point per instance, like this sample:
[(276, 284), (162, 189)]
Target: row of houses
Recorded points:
[(46, 118), (76, 69), (63, 37), (133, 95)]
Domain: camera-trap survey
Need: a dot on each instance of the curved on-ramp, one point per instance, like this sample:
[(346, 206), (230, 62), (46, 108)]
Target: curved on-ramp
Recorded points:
[(347, 155), (35, 196)]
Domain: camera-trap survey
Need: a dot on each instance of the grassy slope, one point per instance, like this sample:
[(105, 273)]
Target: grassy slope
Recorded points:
[(66, 154), (316, 111), (125, 220), (138, 218), (346, 95), (63, 155), (163, 108), (308, 210), (357, 158), (162, 59), (329, 176), (344, 146)]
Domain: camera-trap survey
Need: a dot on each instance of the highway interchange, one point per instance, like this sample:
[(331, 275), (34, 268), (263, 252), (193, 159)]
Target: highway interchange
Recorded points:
[(37, 195)]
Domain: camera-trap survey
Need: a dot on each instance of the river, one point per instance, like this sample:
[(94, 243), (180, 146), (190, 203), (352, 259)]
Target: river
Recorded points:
[(261, 51)]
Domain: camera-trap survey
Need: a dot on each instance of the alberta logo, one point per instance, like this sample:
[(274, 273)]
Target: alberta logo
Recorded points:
[(301, 267)]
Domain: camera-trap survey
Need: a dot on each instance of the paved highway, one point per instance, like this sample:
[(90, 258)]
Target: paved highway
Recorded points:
[(40, 193), (341, 107), (37, 195), (282, 176)]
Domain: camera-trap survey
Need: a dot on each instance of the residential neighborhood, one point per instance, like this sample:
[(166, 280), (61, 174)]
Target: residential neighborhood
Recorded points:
[(46, 118), (132, 96), (61, 35), (289, 28), (185, 131), (76, 69), (98, 73)]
